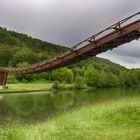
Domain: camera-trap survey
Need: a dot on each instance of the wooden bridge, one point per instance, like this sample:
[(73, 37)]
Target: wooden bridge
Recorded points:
[(120, 33)]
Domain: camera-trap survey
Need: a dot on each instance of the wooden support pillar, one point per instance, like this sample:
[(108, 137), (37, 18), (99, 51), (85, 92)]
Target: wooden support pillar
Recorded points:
[(3, 78)]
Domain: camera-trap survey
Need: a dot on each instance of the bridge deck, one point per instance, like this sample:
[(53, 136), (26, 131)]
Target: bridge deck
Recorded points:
[(93, 46)]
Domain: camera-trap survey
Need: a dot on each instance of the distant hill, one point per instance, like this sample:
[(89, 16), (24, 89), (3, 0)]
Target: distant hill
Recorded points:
[(100, 64)]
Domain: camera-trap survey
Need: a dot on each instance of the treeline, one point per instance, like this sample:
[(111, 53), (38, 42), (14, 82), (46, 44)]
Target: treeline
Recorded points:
[(81, 77), (92, 77), (95, 78)]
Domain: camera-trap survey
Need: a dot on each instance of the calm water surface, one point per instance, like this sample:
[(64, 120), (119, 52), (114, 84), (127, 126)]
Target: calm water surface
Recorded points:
[(40, 106)]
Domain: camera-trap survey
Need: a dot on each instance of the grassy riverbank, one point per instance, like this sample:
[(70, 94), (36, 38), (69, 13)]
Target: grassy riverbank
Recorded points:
[(110, 120), (43, 85), (36, 85)]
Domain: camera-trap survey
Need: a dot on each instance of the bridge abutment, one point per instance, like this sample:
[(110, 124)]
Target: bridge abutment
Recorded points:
[(3, 79)]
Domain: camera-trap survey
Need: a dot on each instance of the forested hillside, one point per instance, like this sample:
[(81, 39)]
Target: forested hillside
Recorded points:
[(99, 64), (19, 48)]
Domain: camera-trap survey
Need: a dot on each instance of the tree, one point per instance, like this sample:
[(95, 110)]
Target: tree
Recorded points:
[(112, 80), (101, 83), (133, 77), (5, 55), (122, 78), (7, 38), (56, 85), (91, 76), (128, 80), (63, 75), (21, 77), (24, 55), (79, 82)]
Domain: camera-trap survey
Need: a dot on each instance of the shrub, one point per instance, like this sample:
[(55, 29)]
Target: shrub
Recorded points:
[(56, 85), (91, 76), (63, 75), (79, 82), (12, 79)]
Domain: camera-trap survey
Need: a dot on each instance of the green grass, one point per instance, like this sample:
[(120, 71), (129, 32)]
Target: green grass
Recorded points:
[(113, 120), (37, 85)]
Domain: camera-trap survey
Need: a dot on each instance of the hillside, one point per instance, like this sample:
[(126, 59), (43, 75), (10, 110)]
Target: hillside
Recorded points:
[(99, 64), (22, 48)]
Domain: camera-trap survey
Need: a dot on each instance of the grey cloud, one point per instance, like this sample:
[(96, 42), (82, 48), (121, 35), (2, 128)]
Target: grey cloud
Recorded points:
[(127, 55), (130, 49)]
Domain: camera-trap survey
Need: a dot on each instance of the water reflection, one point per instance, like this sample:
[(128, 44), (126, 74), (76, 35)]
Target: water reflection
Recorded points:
[(62, 100), (44, 105)]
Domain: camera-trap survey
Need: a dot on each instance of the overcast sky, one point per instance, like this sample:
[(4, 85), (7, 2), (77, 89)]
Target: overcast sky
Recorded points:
[(67, 22)]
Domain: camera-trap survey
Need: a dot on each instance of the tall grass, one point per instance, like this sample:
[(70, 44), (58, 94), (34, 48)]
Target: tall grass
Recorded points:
[(114, 120)]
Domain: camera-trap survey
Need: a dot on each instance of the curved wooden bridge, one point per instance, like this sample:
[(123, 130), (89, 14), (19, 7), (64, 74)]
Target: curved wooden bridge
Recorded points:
[(120, 33)]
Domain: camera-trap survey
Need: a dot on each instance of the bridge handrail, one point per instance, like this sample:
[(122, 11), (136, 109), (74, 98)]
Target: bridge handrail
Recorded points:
[(114, 26)]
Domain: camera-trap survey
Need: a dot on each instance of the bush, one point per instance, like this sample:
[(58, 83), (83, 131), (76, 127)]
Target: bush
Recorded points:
[(12, 79), (91, 76), (112, 80), (79, 82), (24, 77), (63, 75), (56, 85)]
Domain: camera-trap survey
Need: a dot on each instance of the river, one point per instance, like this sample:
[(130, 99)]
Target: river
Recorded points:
[(30, 107)]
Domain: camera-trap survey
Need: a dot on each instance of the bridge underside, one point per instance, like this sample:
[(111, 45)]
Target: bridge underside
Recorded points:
[(3, 78), (135, 35)]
